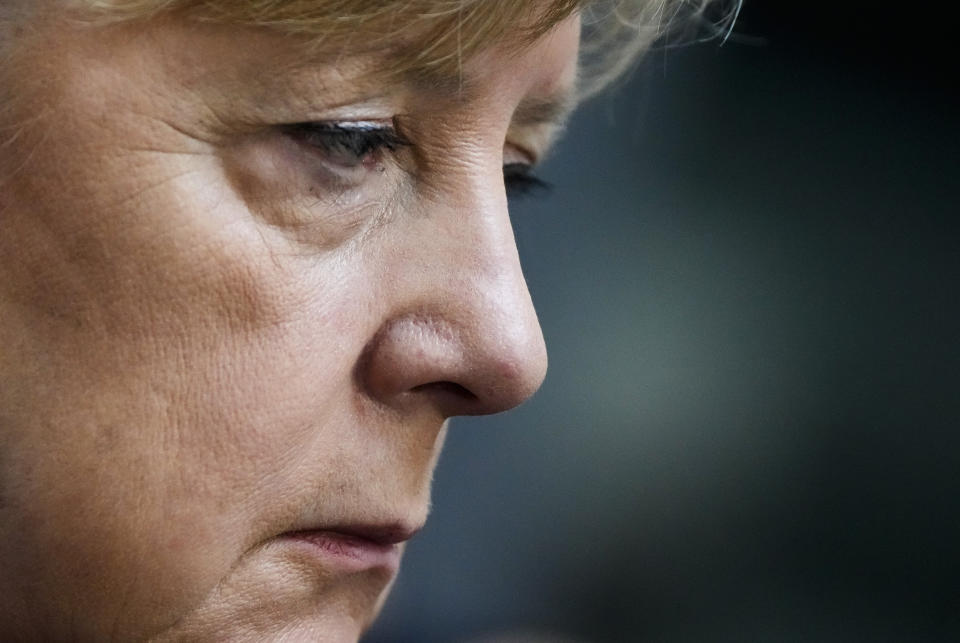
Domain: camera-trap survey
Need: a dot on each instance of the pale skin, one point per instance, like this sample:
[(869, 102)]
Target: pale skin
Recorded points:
[(214, 334)]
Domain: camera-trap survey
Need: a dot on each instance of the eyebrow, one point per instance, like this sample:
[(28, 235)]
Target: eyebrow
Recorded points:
[(532, 111), (553, 110)]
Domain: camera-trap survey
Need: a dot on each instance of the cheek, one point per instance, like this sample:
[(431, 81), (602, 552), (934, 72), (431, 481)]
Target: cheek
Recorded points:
[(172, 366)]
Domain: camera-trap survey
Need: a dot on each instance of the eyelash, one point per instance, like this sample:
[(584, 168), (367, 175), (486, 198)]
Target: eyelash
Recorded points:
[(520, 181), (350, 146)]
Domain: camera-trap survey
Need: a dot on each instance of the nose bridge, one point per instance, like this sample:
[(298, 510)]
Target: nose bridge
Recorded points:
[(482, 291), (480, 264)]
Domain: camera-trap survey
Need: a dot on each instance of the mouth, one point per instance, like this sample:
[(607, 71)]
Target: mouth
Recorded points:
[(354, 548)]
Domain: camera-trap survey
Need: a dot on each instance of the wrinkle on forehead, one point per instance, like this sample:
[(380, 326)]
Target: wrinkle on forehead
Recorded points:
[(440, 34), (299, 78)]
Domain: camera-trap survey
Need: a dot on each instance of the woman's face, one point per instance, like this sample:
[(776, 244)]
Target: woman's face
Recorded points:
[(243, 289)]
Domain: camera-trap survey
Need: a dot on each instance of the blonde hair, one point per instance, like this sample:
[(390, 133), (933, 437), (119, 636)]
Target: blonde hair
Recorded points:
[(616, 32)]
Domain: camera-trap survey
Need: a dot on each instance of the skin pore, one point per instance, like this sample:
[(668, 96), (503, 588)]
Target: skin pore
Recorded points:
[(243, 290)]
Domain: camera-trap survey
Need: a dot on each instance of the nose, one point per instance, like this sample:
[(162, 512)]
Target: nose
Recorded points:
[(460, 333)]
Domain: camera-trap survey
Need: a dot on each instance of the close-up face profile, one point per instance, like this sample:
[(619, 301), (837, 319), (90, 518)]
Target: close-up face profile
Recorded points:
[(248, 273)]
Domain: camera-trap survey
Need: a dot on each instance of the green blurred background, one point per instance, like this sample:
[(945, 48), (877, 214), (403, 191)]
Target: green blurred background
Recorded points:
[(748, 275)]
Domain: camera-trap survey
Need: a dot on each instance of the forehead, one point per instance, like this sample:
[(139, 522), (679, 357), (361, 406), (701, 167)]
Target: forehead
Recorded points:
[(268, 66), (545, 71), (441, 33), (234, 76)]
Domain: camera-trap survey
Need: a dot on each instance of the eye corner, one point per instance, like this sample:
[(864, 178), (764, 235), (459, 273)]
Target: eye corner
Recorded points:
[(520, 181)]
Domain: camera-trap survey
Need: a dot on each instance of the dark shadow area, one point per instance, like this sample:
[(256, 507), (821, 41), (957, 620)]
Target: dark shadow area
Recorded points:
[(748, 276)]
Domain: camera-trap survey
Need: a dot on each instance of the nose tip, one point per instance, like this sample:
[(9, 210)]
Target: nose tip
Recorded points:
[(489, 363), (515, 366)]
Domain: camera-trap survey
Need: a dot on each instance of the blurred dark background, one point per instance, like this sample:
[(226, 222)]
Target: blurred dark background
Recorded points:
[(748, 275)]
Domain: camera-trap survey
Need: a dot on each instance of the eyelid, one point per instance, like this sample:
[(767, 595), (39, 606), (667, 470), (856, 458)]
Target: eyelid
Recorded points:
[(384, 134), (520, 181), (348, 149), (521, 154)]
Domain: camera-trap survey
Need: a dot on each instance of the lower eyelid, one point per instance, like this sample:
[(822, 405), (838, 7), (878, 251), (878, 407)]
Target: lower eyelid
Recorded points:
[(347, 153)]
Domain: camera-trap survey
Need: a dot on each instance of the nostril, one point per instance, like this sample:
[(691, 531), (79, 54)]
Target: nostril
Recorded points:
[(446, 388)]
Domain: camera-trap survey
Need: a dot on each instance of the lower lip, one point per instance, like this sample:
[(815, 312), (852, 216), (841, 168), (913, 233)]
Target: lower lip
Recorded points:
[(346, 553)]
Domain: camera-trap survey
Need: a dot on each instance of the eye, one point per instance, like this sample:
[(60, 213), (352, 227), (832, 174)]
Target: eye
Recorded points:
[(520, 181), (348, 146)]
